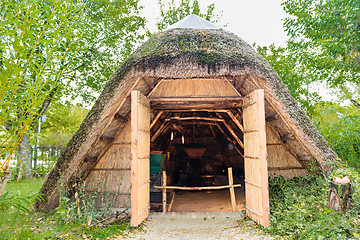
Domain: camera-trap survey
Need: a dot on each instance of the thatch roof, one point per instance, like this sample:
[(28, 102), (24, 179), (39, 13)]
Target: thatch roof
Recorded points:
[(183, 53)]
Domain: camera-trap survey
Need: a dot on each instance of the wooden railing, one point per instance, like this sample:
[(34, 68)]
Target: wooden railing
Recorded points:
[(231, 187)]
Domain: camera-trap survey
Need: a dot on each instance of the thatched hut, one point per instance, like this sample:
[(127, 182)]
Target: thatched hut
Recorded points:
[(210, 103)]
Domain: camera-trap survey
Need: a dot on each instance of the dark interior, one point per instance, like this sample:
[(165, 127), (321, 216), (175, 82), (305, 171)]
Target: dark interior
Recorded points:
[(199, 148)]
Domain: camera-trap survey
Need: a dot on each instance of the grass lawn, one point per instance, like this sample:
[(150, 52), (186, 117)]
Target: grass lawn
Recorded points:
[(17, 224)]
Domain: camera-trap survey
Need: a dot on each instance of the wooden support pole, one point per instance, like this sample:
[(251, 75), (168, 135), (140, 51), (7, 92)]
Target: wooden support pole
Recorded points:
[(236, 121), (156, 118), (159, 131), (234, 135), (228, 138), (232, 192), (164, 190), (172, 195), (231, 131)]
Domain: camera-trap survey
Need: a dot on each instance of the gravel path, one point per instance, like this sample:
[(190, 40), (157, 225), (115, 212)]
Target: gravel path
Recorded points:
[(186, 226)]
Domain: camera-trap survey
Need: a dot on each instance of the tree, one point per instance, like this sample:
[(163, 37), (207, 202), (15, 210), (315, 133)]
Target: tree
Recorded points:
[(294, 75), (38, 43), (174, 11), (325, 36)]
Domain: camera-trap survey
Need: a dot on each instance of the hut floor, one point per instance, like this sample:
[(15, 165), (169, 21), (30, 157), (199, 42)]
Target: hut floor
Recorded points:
[(203, 201)]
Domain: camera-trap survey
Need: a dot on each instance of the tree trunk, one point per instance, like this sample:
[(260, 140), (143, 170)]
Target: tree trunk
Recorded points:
[(24, 151), (4, 178), (339, 196)]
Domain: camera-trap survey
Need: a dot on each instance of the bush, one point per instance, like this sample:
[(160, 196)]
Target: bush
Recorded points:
[(298, 209)]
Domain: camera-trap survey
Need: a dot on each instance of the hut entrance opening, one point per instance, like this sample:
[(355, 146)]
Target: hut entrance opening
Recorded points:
[(207, 149), (212, 149), (196, 148)]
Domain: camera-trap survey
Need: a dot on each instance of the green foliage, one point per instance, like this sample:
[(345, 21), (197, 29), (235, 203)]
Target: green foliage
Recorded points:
[(14, 224), (298, 209), (339, 125), (294, 75), (38, 43), (174, 11), (325, 36), (62, 121), (113, 28)]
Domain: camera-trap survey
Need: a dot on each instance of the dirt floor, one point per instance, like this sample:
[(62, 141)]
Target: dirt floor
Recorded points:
[(207, 201), (196, 225)]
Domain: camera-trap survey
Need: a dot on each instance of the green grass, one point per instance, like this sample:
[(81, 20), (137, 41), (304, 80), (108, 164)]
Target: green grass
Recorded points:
[(16, 224)]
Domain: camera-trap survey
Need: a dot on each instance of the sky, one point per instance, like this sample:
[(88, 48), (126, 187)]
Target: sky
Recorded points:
[(255, 21)]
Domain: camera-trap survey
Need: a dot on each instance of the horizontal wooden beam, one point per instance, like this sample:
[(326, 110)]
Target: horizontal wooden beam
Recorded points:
[(195, 118), (195, 103), (111, 169), (197, 188), (197, 123), (285, 168)]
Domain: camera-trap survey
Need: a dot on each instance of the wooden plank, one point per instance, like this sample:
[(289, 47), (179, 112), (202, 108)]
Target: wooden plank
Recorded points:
[(256, 170), (140, 158), (194, 87), (232, 192), (163, 181)]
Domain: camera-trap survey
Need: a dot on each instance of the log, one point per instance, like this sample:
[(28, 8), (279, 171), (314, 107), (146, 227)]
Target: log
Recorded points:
[(272, 118), (195, 103), (197, 188), (194, 118), (339, 196), (287, 137), (232, 192), (90, 159), (120, 118), (163, 180), (106, 139)]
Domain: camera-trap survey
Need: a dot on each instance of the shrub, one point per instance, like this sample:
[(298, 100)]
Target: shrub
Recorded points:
[(298, 209)]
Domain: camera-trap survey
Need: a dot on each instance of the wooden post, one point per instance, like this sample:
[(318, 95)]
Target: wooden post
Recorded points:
[(232, 192), (164, 190)]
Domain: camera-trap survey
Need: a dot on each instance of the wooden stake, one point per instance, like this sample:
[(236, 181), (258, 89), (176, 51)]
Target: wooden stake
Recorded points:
[(164, 190), (232, 192)]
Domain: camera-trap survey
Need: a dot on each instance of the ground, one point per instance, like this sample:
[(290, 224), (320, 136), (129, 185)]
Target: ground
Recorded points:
[(198, 225)]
